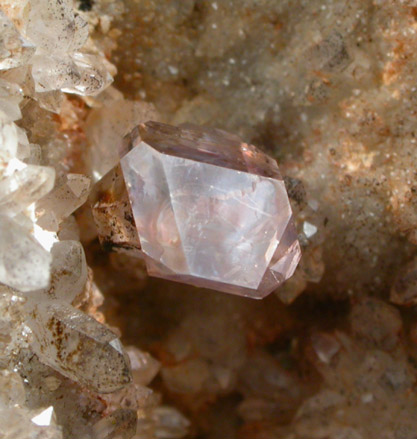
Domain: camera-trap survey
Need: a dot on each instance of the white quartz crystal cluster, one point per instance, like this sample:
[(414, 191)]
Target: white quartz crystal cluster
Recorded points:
[(44, 51), (61, 57), (56, 361)]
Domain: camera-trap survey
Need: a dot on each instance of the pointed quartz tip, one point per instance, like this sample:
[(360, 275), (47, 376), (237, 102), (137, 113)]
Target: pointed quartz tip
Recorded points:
[(210, 210)]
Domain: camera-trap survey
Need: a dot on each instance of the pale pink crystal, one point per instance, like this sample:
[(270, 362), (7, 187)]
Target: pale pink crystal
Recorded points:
[(210, 210)]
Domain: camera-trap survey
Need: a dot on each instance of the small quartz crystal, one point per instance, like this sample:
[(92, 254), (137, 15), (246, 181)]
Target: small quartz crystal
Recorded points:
[(69, 193), (68, 273), (110, 200), (24, 263), (209, 209), (78, 346), (144, 366), (120, 424), (14, 51), (17, 424)]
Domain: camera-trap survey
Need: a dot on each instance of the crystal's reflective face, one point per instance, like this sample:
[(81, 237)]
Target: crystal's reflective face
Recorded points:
[(210, 210)]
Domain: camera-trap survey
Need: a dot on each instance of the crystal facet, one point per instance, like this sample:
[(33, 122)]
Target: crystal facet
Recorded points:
[(209, 209), (24, 263), (65, 339)]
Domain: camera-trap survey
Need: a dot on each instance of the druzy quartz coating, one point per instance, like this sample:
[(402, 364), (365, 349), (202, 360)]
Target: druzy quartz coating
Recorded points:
[(210, 210)]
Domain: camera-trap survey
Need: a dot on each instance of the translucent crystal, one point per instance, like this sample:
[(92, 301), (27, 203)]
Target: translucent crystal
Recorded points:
[(17, 424), (24, 263), (106, 126), (50, 100), (130, 397), (58, 63), (69, 194), (210, 210), (90, 299), (48, 19), (144, 366), (120, 424), (68, 272), (109, 200), (13, 333), (10, 97), (325, 346), (27, 152), (22, 185), (14, 51), (79, 73), (286, 256), (9, 140), (54, 72), (69, 230), (94, 76), (78, 346)]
